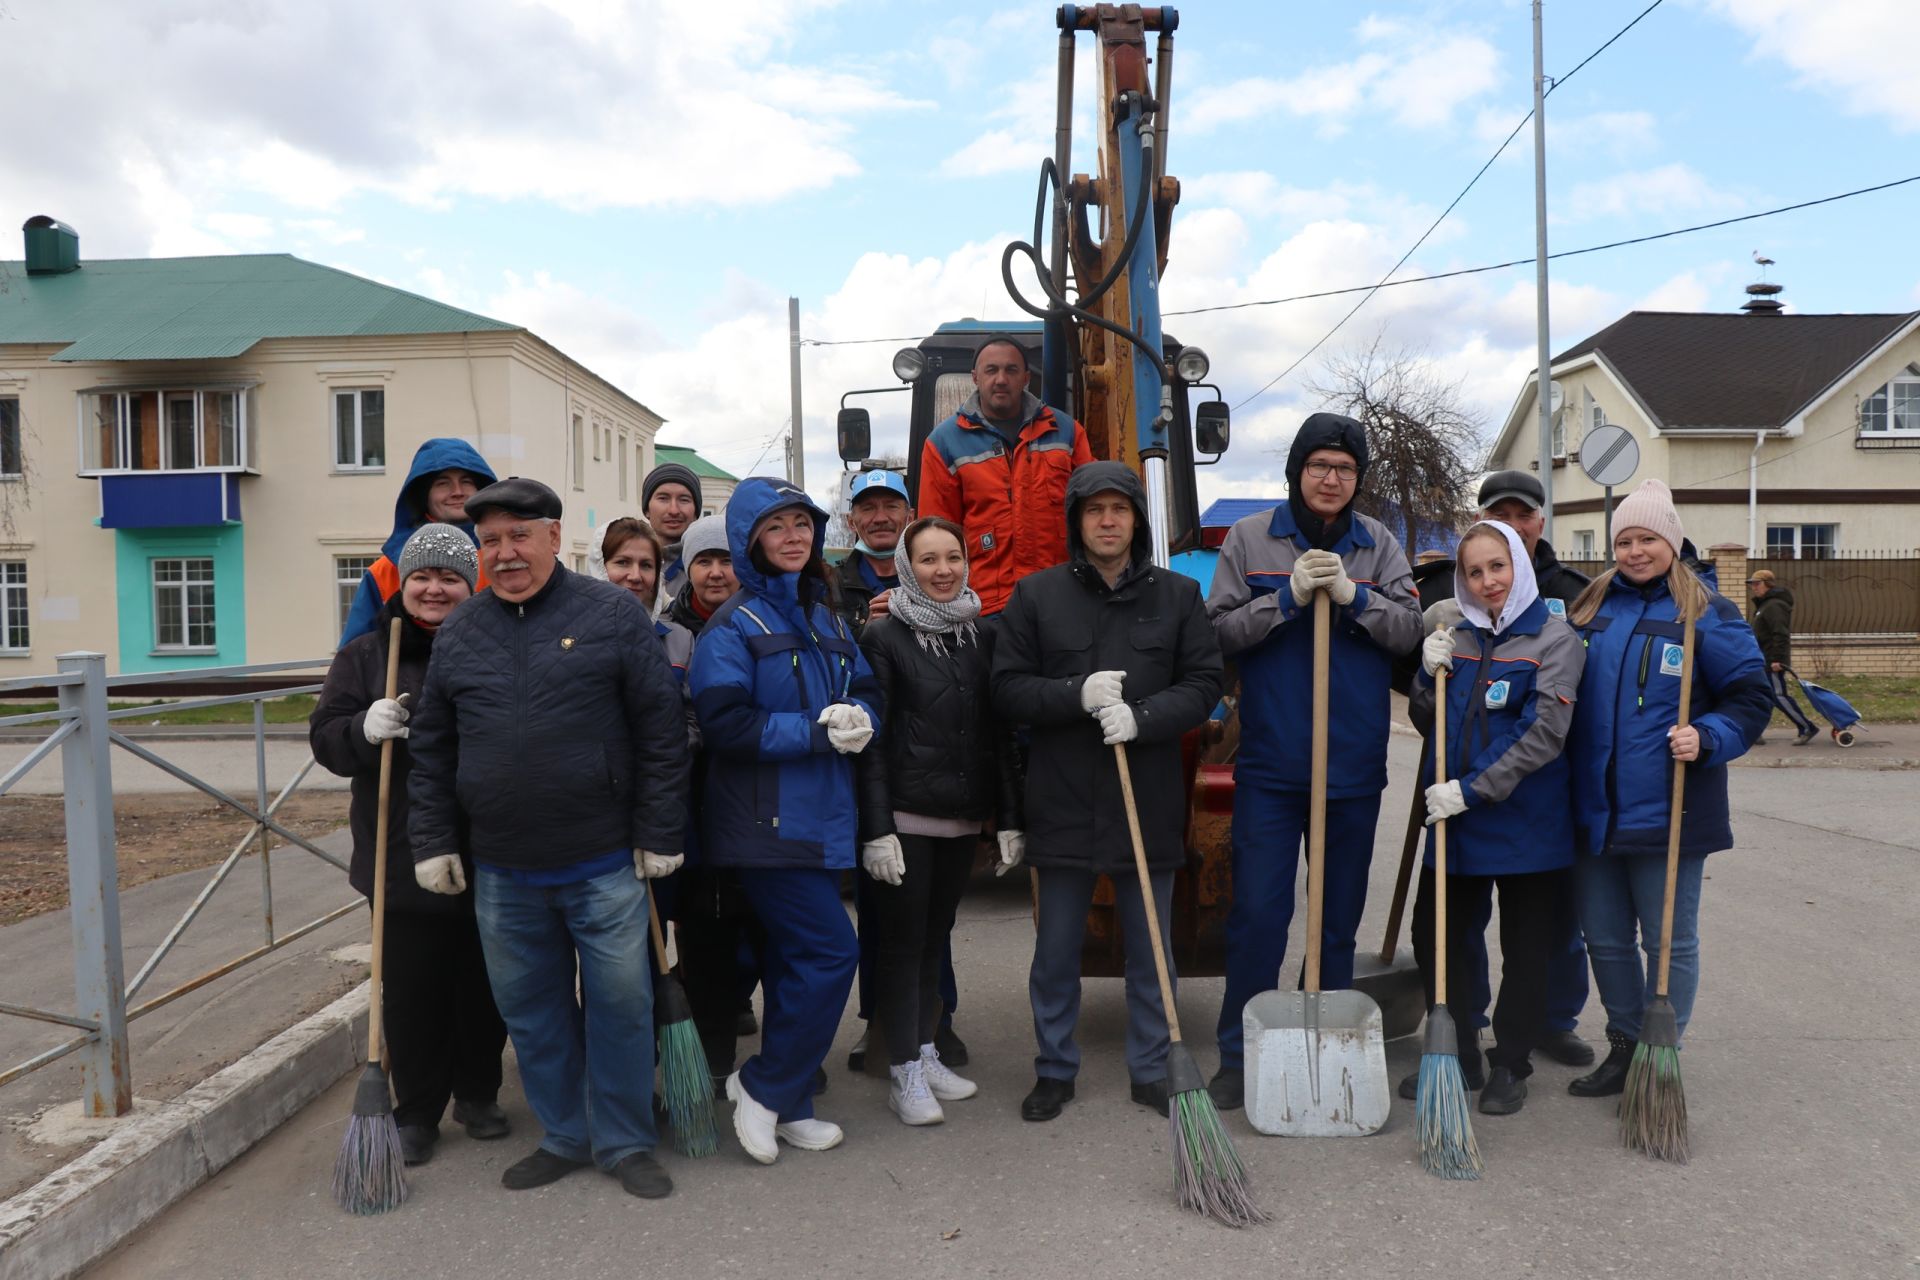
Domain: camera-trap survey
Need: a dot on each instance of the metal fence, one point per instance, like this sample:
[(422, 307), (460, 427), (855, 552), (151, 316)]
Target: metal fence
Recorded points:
[(1858, 593), (83, 733)]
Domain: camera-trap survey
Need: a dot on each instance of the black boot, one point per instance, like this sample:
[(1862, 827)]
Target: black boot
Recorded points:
[(1505, 1093), (1610, 1077)]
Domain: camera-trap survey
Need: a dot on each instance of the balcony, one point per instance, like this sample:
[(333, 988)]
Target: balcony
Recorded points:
[(167, 458)]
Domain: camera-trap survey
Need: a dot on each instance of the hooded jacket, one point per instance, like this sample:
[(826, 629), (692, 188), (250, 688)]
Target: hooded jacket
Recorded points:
[(776, 793), (1059, 627), (382, 578), (1630, 697), (1773, 624), (1007, 495)]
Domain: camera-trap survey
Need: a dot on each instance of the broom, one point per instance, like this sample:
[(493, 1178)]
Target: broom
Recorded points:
[(1653, 1109), (685, 1083), (1207, 1174), (369, 1174), (1441, 1123)]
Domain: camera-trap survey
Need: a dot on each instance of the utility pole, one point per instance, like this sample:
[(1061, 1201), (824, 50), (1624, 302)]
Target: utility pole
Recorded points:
[(796, 447), (1544, 386)]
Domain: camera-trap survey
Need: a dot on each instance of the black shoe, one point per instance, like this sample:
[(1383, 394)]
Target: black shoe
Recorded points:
[(1228, 1089), (819, 1081), (641, 1175), (416, 1143), (857, 1056), (1610, 1077), (1048, 1096), (1472, 1075), (1410, 1086), (1807, 735), (1151, 1093), (537, 1170), (483, 1120), (953, 1050), (1566, 1048), (1505, 1093), (1760, 741), (745, 1024)]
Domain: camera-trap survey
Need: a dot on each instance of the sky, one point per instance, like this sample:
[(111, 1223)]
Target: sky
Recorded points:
[(644, 184)]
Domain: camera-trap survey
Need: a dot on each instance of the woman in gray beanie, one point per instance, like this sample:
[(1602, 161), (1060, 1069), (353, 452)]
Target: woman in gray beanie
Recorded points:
[(442, 1029)]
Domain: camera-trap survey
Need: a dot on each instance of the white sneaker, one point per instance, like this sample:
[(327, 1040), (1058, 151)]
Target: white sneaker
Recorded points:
[(945, 1085), (810, 1135), (910, 1097), (753, 1124)]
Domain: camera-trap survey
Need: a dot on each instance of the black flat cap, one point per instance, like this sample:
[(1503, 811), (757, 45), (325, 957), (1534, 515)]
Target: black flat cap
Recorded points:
[(1501, 484), (516, 496)]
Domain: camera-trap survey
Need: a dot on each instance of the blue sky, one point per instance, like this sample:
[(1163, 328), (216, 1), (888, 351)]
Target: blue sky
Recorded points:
[(644, 186)]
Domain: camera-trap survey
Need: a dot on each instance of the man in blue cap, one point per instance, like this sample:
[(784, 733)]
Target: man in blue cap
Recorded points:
[(880, 511)]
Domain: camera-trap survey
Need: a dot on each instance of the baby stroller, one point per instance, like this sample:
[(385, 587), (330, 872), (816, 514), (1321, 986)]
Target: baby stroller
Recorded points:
[(1837, 711)]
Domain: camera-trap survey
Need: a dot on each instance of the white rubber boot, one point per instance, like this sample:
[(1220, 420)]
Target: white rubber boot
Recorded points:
[(910, 1097), (941, 1080), (810, 1135), (753, 1124)]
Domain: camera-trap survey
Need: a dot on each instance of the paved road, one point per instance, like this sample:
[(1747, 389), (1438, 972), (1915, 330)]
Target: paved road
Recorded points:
[(1800, 1075)]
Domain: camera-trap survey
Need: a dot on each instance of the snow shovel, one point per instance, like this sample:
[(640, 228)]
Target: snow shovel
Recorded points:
[(1316, 1061)]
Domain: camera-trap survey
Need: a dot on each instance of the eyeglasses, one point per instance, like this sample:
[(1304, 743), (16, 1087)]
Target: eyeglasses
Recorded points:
[(1321, 470)]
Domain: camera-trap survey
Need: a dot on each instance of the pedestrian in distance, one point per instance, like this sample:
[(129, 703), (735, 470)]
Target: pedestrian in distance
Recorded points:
[(550, 729), (1773, 630), (946, 778), (1261, 606), (670, 501), (1513, 672), (784, 698), (1626, 736), (446, 471), (442, 1032), (1105, 649)]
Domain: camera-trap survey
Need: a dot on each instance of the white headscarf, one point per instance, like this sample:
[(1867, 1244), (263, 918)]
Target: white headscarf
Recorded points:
[(1520, 597)]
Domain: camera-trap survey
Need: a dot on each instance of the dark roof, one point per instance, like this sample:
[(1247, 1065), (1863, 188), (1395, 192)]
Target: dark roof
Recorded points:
[(1693, 369)]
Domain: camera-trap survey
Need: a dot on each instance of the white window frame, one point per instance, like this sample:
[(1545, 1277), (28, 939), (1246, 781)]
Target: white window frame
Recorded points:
[(1907, 383), (345, 590), (13, 596), (579, 451), (180, 587), (123, 429), (358, 464), (1588, 551), (623, 468), (10, 425), (1799, 547)]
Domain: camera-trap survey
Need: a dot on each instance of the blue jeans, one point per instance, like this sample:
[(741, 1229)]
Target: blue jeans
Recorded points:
[(806, 973), (586, 1062), (1619, 900)]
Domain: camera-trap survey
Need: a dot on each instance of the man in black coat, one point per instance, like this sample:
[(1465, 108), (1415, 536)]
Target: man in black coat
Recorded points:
[(1773, 629), (1103, 650)]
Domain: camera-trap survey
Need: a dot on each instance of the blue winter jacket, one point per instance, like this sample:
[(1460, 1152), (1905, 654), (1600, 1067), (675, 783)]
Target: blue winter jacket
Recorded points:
[(776, 794), (1630, 697), (409, 512)]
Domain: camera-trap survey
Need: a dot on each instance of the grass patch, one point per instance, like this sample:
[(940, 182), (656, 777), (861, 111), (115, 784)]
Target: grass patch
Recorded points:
[(293, 709), (1878, 699)]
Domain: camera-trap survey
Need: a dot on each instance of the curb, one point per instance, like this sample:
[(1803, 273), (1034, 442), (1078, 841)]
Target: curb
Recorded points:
[(78, 1213)]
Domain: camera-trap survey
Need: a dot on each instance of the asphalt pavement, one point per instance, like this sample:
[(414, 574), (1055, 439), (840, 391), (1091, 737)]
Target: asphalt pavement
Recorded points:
[(1799, 1073)]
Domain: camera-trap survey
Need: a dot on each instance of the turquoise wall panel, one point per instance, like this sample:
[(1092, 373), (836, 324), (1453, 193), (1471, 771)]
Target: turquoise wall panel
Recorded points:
[(134, 553)]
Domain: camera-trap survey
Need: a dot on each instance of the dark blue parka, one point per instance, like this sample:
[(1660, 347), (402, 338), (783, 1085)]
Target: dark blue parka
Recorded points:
[(442, 453), (776, 793), (1630, 697)]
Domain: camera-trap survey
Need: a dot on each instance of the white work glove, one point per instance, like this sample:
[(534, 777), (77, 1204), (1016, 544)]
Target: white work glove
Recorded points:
[(1117, 724), (443, 874), (648, 865), (1319, 570), (884, 860), (1013, 847), (1101, 689), (1445, 800), (848, 729), (1436, 651), (386, 718)]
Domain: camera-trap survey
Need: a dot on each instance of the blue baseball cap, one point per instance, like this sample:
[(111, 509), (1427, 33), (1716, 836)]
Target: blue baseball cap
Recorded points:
[(877, 481)]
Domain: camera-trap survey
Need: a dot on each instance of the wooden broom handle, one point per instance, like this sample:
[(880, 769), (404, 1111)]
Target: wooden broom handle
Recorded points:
[(1675, 812), (1146, 891), (1317, 794), (380, 851), (659, 938), (1409, 844), (1439, 841)]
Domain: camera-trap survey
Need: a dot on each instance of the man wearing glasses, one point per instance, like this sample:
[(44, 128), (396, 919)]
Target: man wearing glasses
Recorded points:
[(1261, 606)]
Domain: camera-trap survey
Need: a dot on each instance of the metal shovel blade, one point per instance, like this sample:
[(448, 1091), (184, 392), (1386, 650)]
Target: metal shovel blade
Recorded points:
[(1316, 1064)]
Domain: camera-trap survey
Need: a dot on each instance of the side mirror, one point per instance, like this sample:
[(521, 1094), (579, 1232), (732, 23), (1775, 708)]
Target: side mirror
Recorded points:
[(854, 429), (1212, 427)]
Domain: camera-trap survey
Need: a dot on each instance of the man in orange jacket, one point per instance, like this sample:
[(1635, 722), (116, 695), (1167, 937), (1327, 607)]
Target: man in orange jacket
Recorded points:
[(998, 468)]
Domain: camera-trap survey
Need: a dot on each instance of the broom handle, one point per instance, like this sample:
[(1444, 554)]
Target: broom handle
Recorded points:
[(1440, 841), (1674, 814), (659, 938), (1317, 796), (1416, 823), (380, 852), (1146, 891)]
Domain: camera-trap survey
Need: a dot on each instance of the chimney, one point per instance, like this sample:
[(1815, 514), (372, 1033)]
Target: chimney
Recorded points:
[(53, 248), (1761, 302)]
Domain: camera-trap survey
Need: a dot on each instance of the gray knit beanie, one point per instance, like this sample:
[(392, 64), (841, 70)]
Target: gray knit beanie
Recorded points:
[(670, 473), (441, 546), (708, 533)]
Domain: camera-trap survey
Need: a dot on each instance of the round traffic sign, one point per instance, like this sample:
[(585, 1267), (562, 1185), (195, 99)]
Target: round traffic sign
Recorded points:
[(1609, 455)]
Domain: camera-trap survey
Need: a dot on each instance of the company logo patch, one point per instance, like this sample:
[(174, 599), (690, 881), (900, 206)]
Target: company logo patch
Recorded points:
[(1558, 608), (986, 542), (1672, 658), (1497, 694)]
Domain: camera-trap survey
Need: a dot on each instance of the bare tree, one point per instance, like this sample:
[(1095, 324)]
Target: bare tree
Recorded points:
[(1423, 444)]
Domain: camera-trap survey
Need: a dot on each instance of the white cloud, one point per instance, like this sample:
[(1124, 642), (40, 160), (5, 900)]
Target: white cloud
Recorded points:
[(1846, 48), (1684, 292), (1671, 188)]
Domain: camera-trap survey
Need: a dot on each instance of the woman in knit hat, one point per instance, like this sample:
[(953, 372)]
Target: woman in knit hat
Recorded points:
[(1624, 741), (442, 1029)]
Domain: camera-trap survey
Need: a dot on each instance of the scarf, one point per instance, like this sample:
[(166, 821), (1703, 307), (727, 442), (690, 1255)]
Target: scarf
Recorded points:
[(1520, 597), (931, 621)]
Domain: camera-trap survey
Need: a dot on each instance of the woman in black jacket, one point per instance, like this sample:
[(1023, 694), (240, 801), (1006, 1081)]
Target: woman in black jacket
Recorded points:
[(442, 1029), (947, 773)]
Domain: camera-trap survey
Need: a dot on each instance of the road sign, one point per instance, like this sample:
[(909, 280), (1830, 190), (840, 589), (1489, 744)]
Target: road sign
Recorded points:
[(1609, 455)]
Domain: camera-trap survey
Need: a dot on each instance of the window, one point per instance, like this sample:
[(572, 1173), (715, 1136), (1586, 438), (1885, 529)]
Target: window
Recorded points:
[(1585, 537), (623, 468), (165, 431), (596, 442), (1894, 409), (579, 452), (220, 429), (182, 434), (10, 459), (1802, 541), (347, 572), (183, 603), (360, 429), (13, 606), (579, 563)]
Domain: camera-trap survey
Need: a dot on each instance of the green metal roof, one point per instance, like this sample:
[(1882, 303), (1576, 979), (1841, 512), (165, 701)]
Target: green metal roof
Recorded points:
[(686, 457), (208, 308)]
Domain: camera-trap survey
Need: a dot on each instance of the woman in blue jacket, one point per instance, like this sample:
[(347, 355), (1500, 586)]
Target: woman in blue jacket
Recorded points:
[(1624, 742), (1513, 671), (784, 697)]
